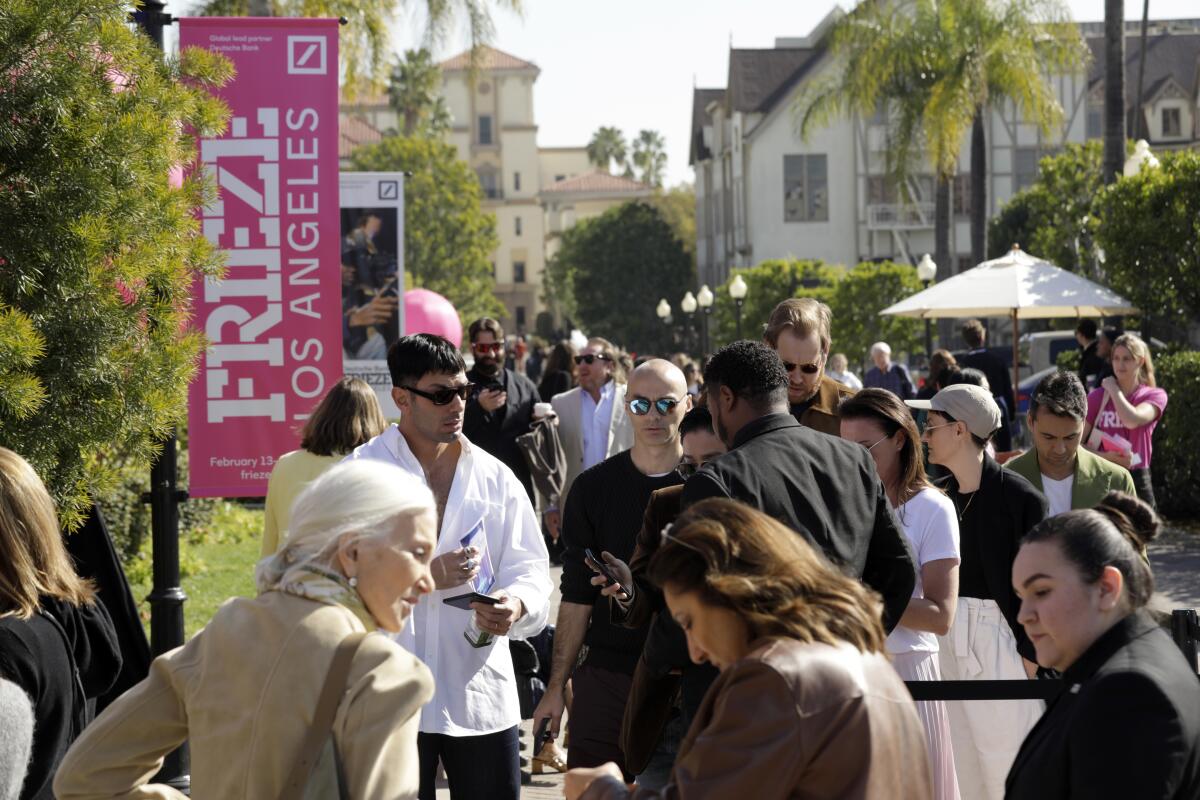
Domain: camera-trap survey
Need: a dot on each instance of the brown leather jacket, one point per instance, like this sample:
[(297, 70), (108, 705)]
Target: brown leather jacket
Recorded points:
[(796, 720), (822, 414)]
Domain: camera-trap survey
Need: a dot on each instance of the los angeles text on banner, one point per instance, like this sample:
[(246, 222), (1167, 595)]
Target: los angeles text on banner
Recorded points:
[(274, 321)]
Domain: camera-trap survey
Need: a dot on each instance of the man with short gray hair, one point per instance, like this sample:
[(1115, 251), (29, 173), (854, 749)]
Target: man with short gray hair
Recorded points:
[(886, 375)]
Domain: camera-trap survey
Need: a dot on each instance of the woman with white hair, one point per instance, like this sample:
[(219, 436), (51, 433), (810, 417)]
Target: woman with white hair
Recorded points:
[(272, 682)]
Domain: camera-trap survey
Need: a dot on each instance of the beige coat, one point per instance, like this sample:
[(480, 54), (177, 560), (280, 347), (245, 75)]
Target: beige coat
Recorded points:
[(568, 407), (243, 692)]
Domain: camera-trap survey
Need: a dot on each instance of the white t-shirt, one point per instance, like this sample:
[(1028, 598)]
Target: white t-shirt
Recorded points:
[(1058, 493), (929, 522)]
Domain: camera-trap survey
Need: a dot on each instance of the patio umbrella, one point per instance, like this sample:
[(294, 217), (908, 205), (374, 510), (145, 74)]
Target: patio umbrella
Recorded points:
[(1018, 286)]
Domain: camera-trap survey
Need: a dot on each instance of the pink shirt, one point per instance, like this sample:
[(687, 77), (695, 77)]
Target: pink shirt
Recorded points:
[(1111, 423)]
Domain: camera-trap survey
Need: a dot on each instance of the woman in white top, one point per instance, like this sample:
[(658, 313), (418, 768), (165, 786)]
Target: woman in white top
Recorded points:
[(880, 422), (839, 370)]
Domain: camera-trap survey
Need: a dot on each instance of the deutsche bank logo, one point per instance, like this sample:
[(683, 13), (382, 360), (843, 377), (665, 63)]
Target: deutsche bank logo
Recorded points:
[(306, 55)]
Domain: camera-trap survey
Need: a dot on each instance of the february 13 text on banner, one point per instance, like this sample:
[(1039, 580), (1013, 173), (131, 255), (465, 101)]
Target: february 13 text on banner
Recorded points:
[(274, 321)]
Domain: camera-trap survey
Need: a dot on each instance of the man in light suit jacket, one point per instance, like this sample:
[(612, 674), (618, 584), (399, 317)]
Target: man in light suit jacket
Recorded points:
[(591, 423)]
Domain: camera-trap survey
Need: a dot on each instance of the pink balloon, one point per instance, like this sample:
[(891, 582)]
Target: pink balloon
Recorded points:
[(429, 312)]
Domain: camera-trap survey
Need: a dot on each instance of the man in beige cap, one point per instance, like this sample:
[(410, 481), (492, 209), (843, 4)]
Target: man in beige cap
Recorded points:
[(995, 508)]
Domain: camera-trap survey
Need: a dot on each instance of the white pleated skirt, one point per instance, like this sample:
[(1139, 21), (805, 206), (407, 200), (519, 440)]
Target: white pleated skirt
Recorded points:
[(922, 665)]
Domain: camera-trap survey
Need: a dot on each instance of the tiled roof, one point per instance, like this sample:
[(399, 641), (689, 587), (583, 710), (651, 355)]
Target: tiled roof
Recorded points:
[(489, 59), (755, 75), (700, 100), (597, 182), (353, 132), (1168, 56)]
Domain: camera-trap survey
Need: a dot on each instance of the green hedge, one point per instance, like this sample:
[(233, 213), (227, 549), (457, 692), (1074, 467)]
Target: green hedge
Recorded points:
[(1176, 462)]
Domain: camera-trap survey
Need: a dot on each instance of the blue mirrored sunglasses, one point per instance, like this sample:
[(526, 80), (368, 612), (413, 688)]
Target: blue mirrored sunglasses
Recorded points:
[(640, 406)]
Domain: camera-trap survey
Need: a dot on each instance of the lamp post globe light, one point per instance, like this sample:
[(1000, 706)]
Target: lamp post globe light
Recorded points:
[(1142, 157), (926, 272), (663, 310), (704, 298), (688, 306), (737, 290)]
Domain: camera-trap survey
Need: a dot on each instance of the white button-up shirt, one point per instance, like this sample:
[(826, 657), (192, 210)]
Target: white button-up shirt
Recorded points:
[(596, 421), (476, 691)]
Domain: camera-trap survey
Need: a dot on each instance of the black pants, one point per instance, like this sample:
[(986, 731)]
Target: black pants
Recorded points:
[(597, 709), (1145, 489), (477, 767)]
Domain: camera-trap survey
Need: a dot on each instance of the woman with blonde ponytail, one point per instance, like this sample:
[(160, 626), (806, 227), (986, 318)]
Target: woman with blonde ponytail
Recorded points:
[(1128, 724), (806, 704)]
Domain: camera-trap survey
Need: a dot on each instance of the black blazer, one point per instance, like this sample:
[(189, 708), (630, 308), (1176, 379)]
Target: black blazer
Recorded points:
[(497, 431), (824, 488), (1127, 725)]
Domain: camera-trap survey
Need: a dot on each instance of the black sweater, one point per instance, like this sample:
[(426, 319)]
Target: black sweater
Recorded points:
[(33, 655), (497, 431), (604, 512)]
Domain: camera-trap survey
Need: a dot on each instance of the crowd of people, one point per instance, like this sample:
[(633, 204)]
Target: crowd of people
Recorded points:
[(756, 554)]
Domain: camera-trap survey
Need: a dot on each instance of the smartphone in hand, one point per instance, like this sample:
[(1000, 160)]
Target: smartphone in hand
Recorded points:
[(597, 564)]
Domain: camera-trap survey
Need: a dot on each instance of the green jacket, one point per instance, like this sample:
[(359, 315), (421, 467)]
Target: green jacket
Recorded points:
[(1094, 476)]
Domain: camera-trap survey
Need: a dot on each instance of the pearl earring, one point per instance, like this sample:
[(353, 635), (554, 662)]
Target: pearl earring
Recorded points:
[(353, 582)]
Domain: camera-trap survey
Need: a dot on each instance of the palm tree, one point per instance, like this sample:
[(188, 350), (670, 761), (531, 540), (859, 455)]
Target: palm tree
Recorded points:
[(414, 91), (1114, 89), (607, 146), (365, 43), (650, 156)]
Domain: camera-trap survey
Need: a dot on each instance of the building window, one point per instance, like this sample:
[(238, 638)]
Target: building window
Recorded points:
[(520, 318), (558, 178), (493, 270), (518, 272), (961, 193), (1171, 122), (485, 128), (1095, 122), (488, 182), (516, 181), (805, 189), (1025, 167), (517, 225)]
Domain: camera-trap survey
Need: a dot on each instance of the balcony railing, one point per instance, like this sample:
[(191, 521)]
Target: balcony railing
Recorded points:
[(896, 216)]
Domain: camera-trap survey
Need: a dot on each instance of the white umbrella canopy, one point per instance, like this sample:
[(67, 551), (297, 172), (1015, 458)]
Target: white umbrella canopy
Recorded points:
[(1016, 282)]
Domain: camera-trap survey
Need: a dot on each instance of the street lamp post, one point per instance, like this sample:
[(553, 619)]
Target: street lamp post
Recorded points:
[(704, 298), (926, 272), (688, 306), (737, 290), (663, 311)]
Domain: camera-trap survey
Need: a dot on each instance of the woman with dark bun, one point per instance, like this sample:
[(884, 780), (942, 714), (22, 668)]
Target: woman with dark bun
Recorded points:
[(1128, 722)]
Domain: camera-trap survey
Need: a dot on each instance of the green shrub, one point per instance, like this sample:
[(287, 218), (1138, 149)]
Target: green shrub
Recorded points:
[(1176, 462), (1069, 360)]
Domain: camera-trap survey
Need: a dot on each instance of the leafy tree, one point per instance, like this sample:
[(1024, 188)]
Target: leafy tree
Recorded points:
[(678, 207), (448, 238), (1150, 234), (650, 157), (365, 43), (1053, 218), (608, 147), (414, 91), (99, 250), (629, 250), (766, 285), (859, 296)]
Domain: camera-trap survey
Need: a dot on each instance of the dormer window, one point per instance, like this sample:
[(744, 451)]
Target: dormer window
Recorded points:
[(1172, 123)]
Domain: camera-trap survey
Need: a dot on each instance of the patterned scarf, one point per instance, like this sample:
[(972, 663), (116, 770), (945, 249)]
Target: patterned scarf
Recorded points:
[(325, 586)]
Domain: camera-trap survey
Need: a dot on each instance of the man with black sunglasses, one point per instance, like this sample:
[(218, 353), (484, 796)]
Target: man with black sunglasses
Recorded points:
[(500, 407), (798, 330), (602, 516), (489, 541)]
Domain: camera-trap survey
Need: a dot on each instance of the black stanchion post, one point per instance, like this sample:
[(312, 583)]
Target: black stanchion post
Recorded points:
[(166, 598)]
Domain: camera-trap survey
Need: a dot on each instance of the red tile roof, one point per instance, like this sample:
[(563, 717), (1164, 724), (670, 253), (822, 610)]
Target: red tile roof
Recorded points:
[(489, 59), (598, 182), (353, 132)]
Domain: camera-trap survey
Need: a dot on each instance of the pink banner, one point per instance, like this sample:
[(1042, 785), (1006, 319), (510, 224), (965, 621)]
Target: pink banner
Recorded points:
[(274, 322)]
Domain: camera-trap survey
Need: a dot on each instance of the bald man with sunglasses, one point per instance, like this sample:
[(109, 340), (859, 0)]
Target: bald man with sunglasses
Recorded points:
[(798, 330)]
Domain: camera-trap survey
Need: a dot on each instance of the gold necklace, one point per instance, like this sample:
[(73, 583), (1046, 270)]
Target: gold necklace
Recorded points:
[(963, 513)]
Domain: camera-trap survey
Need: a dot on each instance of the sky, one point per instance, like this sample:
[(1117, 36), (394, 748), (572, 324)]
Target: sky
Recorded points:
[(632, 63)]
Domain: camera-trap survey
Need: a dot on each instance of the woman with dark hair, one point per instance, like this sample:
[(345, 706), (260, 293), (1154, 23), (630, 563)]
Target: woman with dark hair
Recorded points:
[(881, 423), (806, 704), (57, 643), (348, 415), (995, 507), (558, 375), (1129, 723), (939, 362)]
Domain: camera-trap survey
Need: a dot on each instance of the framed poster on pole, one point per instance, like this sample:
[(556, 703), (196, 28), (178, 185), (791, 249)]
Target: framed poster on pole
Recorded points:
[(372, 263)]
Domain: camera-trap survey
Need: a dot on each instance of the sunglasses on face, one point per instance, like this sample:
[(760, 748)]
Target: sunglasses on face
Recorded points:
[(640, 406), (590, 358), (487, 347), (807, 369), (687, 469), (443, 397)]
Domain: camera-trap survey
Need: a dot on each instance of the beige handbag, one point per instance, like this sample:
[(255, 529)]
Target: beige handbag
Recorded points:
[(318, 745)]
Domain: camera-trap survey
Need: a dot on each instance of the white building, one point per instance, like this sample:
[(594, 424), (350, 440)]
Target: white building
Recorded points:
[(762, 192)]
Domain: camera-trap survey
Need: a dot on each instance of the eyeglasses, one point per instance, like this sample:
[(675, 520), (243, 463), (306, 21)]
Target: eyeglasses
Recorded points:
[(872, 447), (807, 369), (687, 469), (666, 536), (640, 406), (929, 428), (487, 347), (589, 358), (443, 397)]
